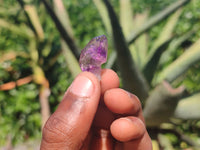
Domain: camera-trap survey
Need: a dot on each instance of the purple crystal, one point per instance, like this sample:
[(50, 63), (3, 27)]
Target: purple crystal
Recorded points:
[(94, 55)]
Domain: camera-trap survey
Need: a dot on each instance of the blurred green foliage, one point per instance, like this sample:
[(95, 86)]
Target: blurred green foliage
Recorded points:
[(19, 107), (20, 117)]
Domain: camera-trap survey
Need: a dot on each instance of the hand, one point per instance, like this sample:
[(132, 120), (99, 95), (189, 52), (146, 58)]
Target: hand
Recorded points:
[(96, 116)]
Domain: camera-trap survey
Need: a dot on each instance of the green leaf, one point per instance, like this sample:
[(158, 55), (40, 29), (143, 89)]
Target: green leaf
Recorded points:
[(188, 108), (132, 78), (181, 64), (156, 19), (126, 17), (165, 35), (175, 44), (104, 15), (71, 61), (152, 64)]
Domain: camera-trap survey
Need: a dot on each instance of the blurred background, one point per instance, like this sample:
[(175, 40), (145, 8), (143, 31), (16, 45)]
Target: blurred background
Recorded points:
[(154, 46)]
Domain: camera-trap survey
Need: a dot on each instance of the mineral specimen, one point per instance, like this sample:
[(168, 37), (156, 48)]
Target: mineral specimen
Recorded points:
[(94, 55)]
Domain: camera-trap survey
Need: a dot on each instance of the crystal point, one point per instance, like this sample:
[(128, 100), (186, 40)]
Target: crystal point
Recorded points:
[(94, 55)]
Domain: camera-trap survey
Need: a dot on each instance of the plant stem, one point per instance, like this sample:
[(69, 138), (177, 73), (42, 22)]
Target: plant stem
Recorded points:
[(62, 30)]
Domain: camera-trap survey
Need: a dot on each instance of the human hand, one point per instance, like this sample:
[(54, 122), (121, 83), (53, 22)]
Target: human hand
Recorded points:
[(96, 115)]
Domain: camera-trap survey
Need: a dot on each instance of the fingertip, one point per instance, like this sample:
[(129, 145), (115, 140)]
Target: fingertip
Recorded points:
[(122, 102), (118, 101), (109, 79), (127, 129), (92, 77)]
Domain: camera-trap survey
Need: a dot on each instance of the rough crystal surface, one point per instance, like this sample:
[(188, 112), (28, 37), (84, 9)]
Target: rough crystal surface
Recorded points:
[(94, 55)]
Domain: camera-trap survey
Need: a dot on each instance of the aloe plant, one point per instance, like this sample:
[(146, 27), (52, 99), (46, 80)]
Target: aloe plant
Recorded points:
[(164, 101), (143, 64), (138, 60), (162, 42)]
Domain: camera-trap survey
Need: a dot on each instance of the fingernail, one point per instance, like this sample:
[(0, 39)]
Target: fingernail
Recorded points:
[(82, 87), (129, 94), (130, 119), (132, 96)]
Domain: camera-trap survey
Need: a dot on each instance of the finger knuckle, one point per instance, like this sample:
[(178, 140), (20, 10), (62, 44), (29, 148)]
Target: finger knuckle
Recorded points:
[(56, 130)]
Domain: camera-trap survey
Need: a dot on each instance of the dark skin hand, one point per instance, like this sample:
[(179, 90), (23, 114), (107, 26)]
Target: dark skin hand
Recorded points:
[(96, 115)]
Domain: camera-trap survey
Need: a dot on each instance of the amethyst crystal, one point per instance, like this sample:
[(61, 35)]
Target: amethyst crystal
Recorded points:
[(94, 55)]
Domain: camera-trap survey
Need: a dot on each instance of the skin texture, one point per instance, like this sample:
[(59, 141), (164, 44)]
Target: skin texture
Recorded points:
[(96, 115)]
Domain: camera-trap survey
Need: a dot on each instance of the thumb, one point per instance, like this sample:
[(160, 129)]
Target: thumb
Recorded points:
[(69, 125)]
